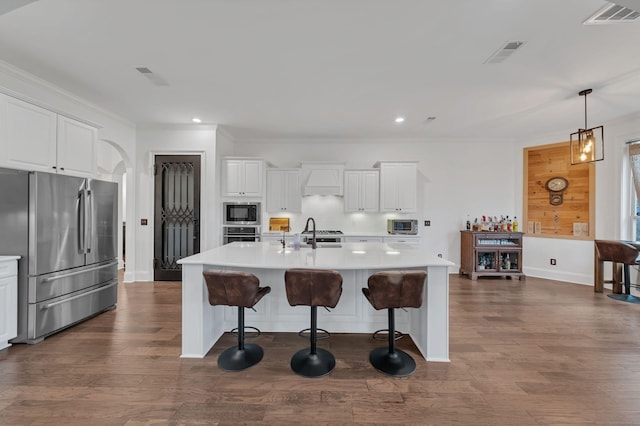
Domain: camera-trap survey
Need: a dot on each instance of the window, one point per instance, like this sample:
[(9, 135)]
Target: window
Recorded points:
[(634, 189)]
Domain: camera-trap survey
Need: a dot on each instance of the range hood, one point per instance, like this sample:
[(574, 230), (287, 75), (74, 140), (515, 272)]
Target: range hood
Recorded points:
[(322, 178)]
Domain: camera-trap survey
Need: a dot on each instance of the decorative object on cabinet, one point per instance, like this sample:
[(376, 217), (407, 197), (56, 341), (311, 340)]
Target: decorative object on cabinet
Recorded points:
[(242, 177), (551, 207), (587, 145), (284, 190), (362, 190), (491, 254), (398, 186)]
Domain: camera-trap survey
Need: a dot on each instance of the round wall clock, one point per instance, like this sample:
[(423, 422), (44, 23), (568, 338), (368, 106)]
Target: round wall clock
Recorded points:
[(555, 186)]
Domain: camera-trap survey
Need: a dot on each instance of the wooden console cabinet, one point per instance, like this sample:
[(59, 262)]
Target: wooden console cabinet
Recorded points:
[(497, 254)]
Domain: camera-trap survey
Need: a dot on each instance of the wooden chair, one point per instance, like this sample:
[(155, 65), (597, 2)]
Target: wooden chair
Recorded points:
[(619, 253)]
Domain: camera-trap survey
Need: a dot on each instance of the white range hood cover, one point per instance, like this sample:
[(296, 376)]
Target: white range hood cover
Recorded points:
[(323, 179)]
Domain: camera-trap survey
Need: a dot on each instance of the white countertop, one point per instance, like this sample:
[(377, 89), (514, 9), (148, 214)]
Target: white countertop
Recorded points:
[(347, 234), (348, 256), (8, 258)]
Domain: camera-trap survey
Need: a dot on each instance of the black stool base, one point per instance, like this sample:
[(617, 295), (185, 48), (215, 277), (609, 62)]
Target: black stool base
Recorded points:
[(397, 364), (307, 364), (624, 298), (234, 359)]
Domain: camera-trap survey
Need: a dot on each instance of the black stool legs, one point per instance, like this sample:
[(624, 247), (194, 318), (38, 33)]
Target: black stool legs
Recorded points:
[(392, 361), (626, 297), (312, 361), (244, 355)]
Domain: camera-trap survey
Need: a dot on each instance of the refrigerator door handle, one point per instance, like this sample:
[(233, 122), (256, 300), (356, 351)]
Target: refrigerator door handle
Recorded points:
[(69, 299), (81, 221), (89, 221)]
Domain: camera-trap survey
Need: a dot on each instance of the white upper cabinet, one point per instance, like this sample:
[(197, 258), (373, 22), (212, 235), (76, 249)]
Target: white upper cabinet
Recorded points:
[(76, 148), (28, 136), (284, 190), (398, 187), (33, 138), (361, 190), (242, 177)]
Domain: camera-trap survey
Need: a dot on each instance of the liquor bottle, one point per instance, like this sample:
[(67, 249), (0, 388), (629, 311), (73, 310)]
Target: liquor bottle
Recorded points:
[(515, 224)]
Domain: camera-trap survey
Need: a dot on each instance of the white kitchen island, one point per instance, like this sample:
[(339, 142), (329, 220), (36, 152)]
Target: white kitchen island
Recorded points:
[(203, 324)]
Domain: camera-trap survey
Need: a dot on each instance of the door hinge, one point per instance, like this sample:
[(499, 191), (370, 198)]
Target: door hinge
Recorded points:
[(155, 169)]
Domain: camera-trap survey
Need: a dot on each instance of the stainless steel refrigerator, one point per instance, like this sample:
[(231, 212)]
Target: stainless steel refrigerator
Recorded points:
[(64, 229)]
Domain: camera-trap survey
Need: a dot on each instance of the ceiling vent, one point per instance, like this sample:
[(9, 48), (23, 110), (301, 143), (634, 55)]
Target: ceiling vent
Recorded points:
[(612, 14), (152, 77), (504, 52)]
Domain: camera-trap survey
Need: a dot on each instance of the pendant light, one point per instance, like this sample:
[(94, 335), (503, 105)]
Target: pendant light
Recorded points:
[(587, 145)]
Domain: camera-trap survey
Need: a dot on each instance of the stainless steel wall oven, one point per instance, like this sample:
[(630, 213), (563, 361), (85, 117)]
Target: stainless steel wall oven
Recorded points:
[(232, 234)]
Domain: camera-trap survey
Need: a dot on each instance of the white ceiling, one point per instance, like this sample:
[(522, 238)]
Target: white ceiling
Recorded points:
[(304, 69)]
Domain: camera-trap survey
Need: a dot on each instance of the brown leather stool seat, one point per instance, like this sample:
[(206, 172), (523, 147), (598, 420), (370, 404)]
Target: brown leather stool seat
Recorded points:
[(241, 289), (313, 287), (619, 252), (390, 290)]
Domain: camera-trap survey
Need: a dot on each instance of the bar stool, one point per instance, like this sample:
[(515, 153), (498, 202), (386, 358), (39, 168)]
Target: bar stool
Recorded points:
[(241, 289), (390, 290), (619, 252), (313, 287)]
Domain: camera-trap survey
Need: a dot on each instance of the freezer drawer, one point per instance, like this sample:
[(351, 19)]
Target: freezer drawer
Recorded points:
[(45, 287), (53, 315)]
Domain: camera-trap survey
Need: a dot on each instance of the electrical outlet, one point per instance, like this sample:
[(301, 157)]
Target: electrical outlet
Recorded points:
[(427, 223), (552, 261)]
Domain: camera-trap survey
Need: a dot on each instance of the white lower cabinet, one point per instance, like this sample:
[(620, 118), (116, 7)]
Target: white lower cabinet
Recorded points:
[(414, 241), (8, 301), (362, 239)]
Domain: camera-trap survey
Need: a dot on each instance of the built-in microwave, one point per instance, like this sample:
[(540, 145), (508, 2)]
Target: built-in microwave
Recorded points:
[(402, 226), (245, 213)]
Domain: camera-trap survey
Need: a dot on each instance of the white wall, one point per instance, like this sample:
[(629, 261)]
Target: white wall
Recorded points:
[(163, 140)]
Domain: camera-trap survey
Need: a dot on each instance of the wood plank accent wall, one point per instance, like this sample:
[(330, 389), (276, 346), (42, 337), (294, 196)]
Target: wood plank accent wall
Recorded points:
[(575, 217)]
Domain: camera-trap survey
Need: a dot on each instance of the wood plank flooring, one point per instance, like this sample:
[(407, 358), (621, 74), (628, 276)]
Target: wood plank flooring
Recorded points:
[(531, 352)]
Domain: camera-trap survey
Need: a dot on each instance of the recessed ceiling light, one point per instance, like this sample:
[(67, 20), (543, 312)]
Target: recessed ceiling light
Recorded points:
[(399, 119), (196, 120)]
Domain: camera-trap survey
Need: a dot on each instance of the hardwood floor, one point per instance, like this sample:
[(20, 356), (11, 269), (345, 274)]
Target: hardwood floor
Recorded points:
[(532, 352)]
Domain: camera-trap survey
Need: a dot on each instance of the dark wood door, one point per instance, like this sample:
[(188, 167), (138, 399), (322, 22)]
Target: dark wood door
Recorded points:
[(176, 213)]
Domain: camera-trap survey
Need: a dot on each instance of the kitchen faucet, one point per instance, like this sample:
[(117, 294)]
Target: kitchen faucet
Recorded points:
[(306, 229)]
